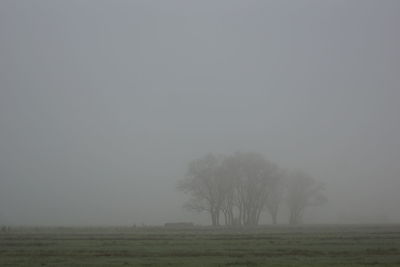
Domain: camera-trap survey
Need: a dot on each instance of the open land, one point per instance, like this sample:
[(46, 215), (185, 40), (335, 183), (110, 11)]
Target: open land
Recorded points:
[(314, 245)]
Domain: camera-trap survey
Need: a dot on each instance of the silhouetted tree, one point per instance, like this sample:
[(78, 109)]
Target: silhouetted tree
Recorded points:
[(241, 186), (204, 184), (250, 179)]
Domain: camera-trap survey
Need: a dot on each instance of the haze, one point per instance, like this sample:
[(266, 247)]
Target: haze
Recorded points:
[(104, 103)]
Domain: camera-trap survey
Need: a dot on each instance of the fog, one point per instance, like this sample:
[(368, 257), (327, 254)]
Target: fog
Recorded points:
[(104, 103)]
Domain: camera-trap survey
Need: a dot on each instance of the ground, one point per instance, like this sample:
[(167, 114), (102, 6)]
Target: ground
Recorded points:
[(351, 245)]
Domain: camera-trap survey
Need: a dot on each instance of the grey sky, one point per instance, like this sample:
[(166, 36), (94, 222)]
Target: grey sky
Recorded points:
[(103, 103)]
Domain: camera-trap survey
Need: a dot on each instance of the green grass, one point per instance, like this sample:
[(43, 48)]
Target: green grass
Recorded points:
[(158, 246)]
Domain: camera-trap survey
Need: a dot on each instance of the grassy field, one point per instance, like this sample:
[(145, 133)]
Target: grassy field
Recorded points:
[(158, 246)]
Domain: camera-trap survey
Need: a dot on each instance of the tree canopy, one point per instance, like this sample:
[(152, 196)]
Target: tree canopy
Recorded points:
[(241, 186)]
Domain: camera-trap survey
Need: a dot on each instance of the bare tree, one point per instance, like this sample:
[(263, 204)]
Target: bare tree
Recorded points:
[(241, 186), (229, 195), (203, 182), (302, 191), (252, 177)]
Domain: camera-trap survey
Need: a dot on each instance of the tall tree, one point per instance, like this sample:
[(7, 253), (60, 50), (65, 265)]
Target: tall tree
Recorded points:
[(241, 186), (252, 177), (203, 182)]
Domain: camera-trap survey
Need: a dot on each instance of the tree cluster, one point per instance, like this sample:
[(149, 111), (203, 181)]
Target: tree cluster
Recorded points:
[(239, 187)]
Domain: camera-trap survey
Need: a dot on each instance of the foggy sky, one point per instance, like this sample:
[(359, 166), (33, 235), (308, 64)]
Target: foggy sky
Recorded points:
[(103, 103)]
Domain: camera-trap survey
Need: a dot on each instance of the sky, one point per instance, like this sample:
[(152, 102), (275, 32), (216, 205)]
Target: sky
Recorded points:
[(104, 103)]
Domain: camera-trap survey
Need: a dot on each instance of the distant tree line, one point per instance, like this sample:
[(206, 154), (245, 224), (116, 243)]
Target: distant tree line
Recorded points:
[(236, 189)]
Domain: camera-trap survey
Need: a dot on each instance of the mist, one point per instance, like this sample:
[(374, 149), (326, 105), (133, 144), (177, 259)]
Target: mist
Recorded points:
[(104, 103)]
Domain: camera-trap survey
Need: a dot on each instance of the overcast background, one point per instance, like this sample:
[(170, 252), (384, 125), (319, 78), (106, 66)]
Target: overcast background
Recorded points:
[(103, 104)]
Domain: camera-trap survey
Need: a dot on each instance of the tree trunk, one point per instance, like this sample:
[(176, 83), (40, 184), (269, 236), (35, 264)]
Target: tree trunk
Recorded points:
[(213, 218)]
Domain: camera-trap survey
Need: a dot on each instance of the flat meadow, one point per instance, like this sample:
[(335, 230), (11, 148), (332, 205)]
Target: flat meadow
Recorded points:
[(308, 245)]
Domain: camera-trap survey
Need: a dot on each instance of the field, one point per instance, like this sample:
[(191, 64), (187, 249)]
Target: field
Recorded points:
[(202, 246)]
